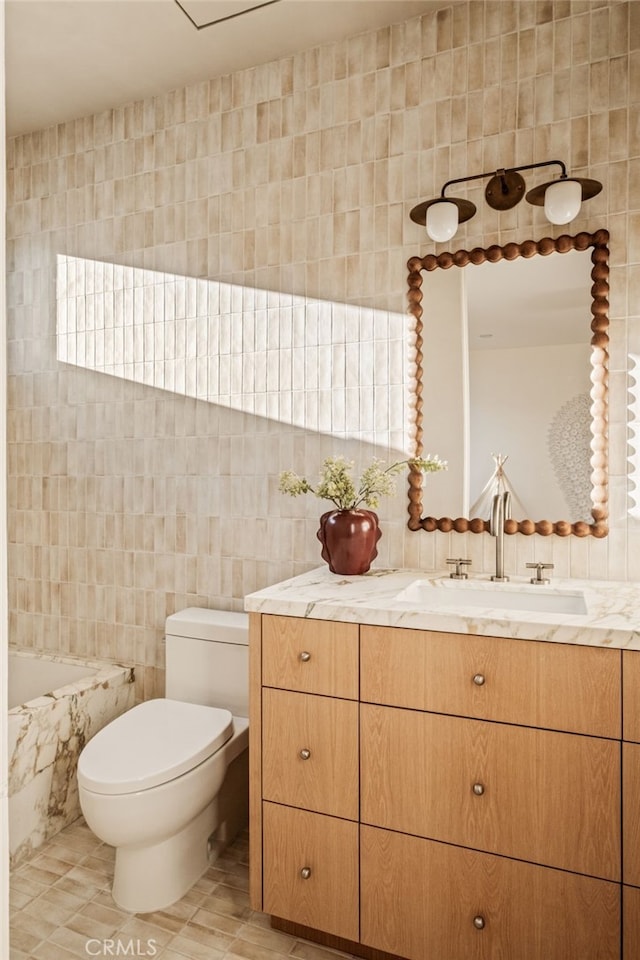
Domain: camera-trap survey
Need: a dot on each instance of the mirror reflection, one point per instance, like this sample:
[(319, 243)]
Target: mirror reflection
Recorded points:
[(509, 375)]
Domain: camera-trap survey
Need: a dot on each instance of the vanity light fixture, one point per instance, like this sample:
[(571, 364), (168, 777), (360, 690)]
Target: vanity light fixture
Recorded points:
[(561, 198)]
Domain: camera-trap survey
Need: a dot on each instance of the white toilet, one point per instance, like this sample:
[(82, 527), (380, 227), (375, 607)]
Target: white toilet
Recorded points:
[(166, 783)]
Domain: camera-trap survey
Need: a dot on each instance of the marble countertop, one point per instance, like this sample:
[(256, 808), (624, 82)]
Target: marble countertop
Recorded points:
[(414, 599)]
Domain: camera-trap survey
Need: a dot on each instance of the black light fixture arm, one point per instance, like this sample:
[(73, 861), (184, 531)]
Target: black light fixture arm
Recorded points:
[(505, 189), (502, 171)]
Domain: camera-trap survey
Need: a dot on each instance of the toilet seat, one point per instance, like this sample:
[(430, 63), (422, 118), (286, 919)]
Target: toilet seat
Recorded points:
[(154, 742)]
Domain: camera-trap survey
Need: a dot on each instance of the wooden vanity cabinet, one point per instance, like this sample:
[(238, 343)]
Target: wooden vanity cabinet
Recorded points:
[(310, 752), (431, 901), (631, 695), (311, 869), (311, 656), (495, 787), (631, 812), (459, 797), (534, 683), (631, 923), (631, 804), (304, 757)]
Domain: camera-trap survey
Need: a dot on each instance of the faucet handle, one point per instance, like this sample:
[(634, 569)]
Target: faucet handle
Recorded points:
[(459, 562), (539, 567)]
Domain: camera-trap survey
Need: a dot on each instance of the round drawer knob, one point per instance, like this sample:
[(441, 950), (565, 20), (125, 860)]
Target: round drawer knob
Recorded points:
[(305, 656), (305, 754), (478, 789), (479, 679), (305, 873), (478, 922)]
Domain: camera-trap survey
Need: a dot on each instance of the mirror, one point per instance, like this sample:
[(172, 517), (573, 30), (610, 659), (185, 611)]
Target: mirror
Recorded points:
[(511, 380)]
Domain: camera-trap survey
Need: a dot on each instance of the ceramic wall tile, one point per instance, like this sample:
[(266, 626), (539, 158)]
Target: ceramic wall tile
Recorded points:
[(267, 211)]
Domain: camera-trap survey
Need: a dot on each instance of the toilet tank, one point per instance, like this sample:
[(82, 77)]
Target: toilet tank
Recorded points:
[(207, 658)]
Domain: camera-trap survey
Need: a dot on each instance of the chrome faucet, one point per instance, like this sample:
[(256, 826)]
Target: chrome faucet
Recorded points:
[(500, 511)]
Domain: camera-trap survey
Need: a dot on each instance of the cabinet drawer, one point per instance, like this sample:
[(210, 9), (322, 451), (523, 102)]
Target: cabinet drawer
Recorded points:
[(631, 694), (539, 684), (631, 812), (631, 923), (310, 752), (325, 898), (423, 899), (494, 787), (312, 656)]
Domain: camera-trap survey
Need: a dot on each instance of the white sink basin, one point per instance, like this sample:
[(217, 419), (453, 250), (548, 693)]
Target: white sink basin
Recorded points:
[(454, 594)]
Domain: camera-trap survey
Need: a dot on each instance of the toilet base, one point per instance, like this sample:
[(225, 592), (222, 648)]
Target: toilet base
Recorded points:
[(150, 878)]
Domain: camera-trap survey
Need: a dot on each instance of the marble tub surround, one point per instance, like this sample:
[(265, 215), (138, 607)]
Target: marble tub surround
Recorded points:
[(379, 597), (46, 736)]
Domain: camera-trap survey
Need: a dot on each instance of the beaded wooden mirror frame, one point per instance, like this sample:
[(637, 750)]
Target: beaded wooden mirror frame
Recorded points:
[(598, 242)]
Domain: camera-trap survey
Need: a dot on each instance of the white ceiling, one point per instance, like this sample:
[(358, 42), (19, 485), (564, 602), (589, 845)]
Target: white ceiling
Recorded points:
[(70, 58)]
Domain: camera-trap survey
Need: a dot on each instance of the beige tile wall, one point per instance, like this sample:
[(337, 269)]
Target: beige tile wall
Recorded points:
[(128, 501), (322, 365)]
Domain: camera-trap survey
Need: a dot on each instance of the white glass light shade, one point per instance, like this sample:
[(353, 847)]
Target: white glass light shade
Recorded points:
[(442, 220), (562, 201)]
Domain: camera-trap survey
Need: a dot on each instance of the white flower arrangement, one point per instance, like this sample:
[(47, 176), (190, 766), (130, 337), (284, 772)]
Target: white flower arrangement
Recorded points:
[(336, 483)]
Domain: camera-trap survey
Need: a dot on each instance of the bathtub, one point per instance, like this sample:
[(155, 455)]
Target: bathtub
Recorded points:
[(56, 704)]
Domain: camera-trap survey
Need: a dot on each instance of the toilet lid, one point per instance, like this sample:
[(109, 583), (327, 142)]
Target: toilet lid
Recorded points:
[(152, 743)]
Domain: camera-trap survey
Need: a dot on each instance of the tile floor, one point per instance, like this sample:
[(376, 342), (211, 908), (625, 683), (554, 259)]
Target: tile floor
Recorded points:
[(61, 909)]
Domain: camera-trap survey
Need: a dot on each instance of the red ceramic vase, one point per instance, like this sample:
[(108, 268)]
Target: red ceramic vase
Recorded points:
[(349, 540)]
